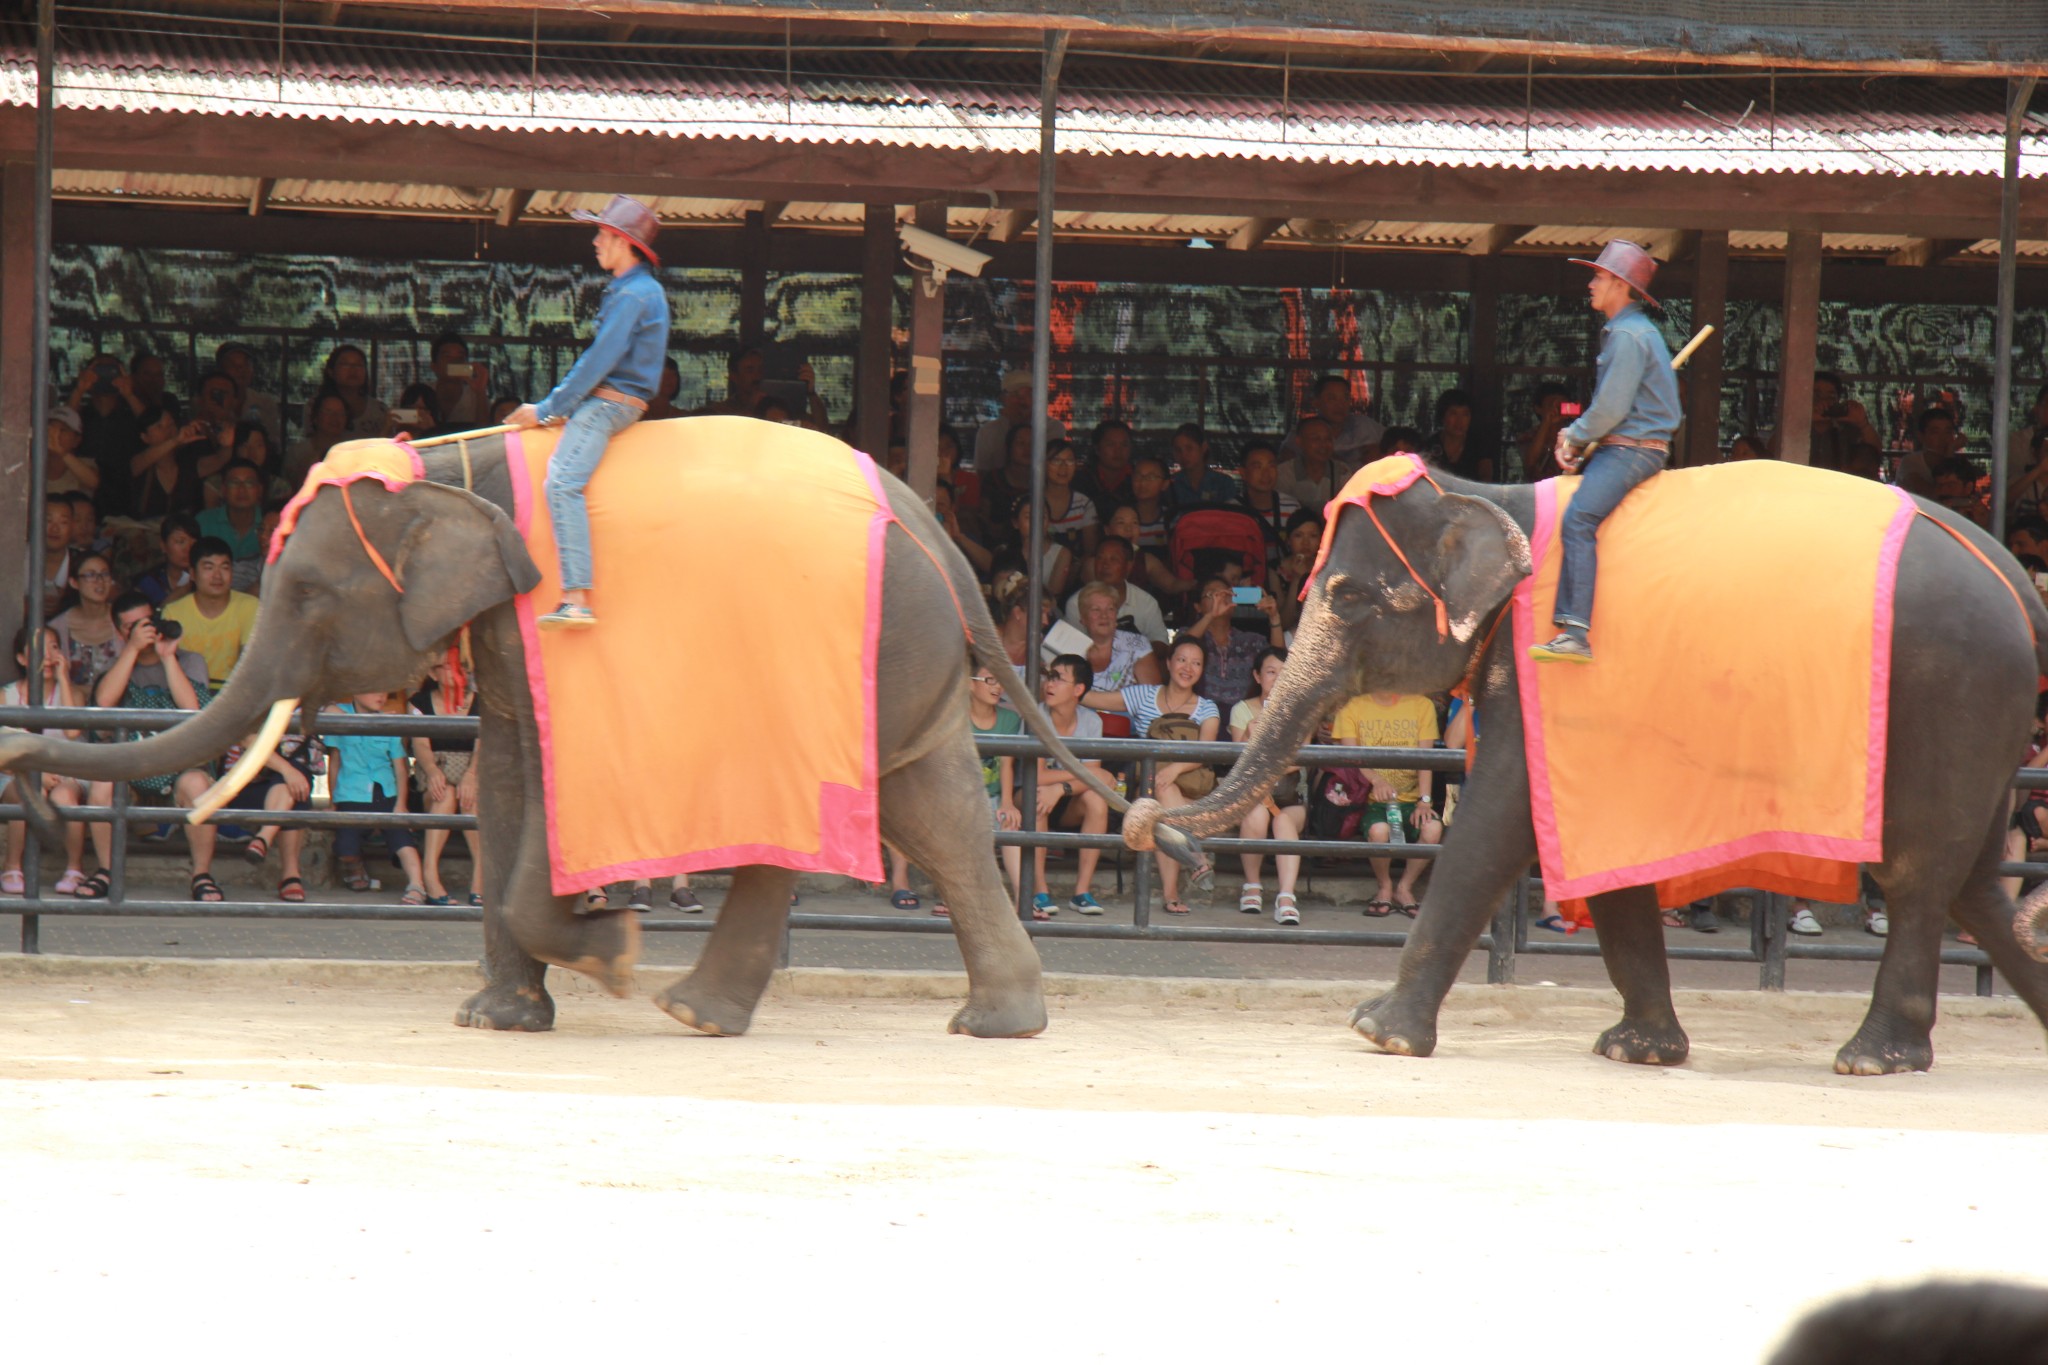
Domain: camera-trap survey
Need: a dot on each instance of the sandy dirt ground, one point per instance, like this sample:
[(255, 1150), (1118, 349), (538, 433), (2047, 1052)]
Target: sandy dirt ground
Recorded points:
[(271, 1161)]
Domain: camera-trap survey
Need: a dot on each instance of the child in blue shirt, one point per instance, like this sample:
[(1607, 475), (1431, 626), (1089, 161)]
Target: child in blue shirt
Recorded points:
[(368, 772)]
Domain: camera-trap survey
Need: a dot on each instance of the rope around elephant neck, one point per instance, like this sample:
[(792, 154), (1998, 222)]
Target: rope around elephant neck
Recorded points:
[(1443, 618), (375, 558)]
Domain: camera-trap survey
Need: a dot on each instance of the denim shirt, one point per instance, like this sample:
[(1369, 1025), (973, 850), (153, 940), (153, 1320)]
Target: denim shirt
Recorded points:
[(1635, 391), (628, 351)]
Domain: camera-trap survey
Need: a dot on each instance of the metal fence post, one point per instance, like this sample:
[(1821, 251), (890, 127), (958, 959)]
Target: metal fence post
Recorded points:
[(1769, 907), (1141, 870), (1984, 978)]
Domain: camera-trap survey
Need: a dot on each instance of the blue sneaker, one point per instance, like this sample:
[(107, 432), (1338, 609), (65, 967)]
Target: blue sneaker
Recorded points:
[(1043, 905), (1085, 904), (160, 835)]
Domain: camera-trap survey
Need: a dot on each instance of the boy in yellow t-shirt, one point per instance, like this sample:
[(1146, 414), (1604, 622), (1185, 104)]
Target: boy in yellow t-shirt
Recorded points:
[(216, 620), (1392, 720)]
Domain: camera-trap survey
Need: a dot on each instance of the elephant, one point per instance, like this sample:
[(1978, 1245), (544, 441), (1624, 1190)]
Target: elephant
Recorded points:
[(1958, 653), (330, 625)]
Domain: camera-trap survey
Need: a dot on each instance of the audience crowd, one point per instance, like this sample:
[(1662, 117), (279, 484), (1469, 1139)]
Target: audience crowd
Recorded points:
[(1171, 578)]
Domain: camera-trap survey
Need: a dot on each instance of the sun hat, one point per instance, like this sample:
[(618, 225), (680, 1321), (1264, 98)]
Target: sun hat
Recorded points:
[(630, 219), (1628, 262)]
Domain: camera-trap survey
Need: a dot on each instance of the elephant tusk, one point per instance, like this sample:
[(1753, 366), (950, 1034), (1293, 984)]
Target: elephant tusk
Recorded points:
[(253, 758)]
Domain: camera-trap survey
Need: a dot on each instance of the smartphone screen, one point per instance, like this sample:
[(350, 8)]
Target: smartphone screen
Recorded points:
[(1246, 597)]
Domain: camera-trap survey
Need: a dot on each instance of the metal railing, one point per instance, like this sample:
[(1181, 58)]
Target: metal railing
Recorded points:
[(1769, 947)]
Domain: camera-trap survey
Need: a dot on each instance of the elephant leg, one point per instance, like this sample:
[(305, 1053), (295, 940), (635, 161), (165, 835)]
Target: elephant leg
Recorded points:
[(719, 994), (935, 811), (1920, 894), (515, 995), (1489, 845), (1632, 947)]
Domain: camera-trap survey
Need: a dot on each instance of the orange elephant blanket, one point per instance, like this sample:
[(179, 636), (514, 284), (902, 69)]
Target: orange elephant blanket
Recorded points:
[(722, 712), (1731, 730)]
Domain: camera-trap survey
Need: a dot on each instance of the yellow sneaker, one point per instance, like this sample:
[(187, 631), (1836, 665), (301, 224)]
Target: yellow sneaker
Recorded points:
[(1567, 648)]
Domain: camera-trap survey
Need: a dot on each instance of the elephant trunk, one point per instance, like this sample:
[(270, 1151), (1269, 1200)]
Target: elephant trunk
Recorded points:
[(189, 744), (1312, 682)]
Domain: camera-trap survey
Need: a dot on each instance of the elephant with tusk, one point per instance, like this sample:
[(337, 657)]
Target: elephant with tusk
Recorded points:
[(334, 621), (1961, 678)]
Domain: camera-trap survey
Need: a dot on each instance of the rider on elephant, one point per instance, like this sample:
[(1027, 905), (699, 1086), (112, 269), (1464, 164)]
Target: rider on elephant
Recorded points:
[(1622, 438), (606, 392)]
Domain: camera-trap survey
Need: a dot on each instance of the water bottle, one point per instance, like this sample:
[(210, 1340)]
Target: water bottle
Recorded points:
[(1395, 834)]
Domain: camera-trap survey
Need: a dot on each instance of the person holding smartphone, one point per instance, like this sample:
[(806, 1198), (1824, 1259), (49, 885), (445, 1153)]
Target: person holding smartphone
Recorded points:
[(1232, 652), (1621, 439), (462, 388), (605, 393)]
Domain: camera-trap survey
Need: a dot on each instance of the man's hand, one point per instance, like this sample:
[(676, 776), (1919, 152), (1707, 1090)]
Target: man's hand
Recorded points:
[(1050, 794), (807, 376), (140, 637), (524, 416), (1570, 455), (1382, 790), (1271, 606), (166, 649)]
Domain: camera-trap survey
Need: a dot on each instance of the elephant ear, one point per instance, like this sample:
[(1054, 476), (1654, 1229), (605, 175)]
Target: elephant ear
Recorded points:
[(1481, 556), (460, 557)]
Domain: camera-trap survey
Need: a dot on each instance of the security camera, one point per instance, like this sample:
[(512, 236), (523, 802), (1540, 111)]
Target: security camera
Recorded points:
[(943, 253)]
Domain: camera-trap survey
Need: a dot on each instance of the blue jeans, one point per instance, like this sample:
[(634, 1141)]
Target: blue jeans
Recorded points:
[(584, 437), (1606, 479)]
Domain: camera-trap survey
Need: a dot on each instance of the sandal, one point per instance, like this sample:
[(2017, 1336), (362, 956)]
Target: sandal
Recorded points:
[(291, 889), (414, 895), (1251, 899), (902, 900), (1409, 908), (257, 851), (1284, 911), (12, 884), (939, 909), (206, 889), (95, 887), (1673, 919), (443, 899), (1378, 909), (476, 898), (352, 873), (597, 898), (68, 884), (1037, 913), (1177, 908), (1556, 925)]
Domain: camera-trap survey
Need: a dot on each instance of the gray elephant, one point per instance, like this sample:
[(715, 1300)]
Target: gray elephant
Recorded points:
[(1962, 685), (331, 625)]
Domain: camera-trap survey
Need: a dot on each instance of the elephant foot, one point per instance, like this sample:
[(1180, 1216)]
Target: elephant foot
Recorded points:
[(1393, 1025), (1020, 1015), (1876, 1051), (1662, 1043), (602, 946), (690, 1003), (510, 1009)]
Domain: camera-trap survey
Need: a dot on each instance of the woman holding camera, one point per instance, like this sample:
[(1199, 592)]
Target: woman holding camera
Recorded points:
[(1232, 652)]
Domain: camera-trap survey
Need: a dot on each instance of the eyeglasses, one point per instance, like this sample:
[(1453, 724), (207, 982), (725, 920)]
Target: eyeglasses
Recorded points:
[(986, 680), (1061, 461)]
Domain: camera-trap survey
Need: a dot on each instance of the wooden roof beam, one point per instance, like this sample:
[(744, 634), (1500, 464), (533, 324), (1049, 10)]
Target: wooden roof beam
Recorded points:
[(1924, 251), (1497, 237), (772, 209), (1253, 232), (514, 205), (1010, 224), (259, 198)]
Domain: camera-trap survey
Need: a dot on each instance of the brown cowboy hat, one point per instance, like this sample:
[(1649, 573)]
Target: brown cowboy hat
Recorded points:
[(1628, 262), (629, 218)]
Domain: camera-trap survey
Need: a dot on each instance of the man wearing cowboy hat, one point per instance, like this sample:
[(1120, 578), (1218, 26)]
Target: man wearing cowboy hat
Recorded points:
[(607, 390), (1622, 438)]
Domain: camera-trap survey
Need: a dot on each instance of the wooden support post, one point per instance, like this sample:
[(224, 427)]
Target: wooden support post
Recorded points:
[(927, 364), (877, 318), (1482, 369), (754, 280), (17, 323), (1703, 372), (1796, 357)]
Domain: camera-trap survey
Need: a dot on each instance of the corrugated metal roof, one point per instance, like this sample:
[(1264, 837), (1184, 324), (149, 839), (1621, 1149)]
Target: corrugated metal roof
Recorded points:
[(1893, 126)]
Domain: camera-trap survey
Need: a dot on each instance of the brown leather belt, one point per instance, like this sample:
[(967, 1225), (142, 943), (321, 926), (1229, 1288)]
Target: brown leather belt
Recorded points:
[(1634, 443), (612, 395)]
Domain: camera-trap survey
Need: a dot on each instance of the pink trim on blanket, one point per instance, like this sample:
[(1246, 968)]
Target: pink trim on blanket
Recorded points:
[(1881, 668), (1542, 811), (1550, 852), (842, 812), (536, 675)]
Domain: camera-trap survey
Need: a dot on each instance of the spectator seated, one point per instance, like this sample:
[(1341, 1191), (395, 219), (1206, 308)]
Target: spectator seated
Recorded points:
[(57, 690)]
